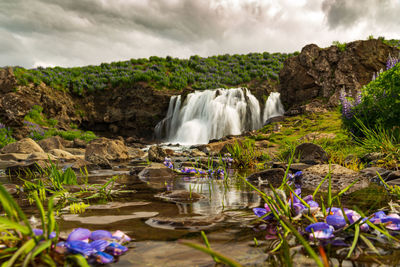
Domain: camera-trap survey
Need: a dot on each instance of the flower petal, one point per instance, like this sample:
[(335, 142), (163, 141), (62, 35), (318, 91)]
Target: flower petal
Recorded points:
[(79, 234)]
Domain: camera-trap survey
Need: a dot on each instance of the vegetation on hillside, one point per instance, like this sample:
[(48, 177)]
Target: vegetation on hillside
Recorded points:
[(40, 127), (163, 73)]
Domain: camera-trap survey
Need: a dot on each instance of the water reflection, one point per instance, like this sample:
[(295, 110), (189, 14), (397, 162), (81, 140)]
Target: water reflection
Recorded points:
[(220, 195)]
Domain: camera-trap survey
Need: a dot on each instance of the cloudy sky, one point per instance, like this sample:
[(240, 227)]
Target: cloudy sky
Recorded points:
[(83, 32)]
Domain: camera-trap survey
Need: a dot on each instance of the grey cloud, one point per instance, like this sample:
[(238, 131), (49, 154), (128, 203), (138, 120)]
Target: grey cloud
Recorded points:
[(375, 13), (72, 32)]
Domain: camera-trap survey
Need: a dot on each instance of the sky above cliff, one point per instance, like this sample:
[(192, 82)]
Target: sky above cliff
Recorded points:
[(83, 32)]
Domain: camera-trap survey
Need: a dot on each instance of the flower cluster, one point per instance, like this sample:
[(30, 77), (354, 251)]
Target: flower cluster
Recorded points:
[(36, 131), (99, 246), (334, 220), (5, 135), (348, 105), (218, 173)]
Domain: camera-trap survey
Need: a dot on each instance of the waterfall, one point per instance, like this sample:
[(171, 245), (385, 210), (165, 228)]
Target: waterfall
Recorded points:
[(273, 107), (211, 114)]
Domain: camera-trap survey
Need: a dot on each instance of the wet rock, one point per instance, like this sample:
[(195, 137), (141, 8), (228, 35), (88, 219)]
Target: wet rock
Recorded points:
[(156, 170), (272, 176), (370, 173), (36, 156), (202, 148), (294, 167), (197, 153), (156, 154), (310, 153), (372, 157), (180, 196), (341, 178), (22, 168), (274, 119), (107, 219), (393, 176), (194, 223), (24, 146), (62, 154), (54, 142), (102, 151), (14, 157), (135, 152), (79, 143), (75, 151)]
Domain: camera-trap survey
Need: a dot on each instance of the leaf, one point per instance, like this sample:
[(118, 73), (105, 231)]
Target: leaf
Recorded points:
[(25, 249), (77, 260), (8, 224)]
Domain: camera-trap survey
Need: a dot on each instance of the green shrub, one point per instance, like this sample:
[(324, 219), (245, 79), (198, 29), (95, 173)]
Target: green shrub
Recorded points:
[(379, 105), (5, 136)]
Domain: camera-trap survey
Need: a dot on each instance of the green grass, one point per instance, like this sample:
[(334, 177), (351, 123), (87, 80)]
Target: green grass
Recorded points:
[(293, 129), (169, 73)]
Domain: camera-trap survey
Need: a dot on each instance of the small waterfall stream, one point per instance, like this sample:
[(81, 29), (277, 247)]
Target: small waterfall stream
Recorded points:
[(212, 114)]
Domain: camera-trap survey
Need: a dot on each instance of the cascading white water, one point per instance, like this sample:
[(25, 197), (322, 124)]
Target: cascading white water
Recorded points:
[(211, 114), (273, 107)]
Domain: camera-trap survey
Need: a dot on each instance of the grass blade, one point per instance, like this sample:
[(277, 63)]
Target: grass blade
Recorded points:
[(25, 249), (353, 245), (307, 246)]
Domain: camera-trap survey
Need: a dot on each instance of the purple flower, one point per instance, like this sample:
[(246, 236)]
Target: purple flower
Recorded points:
[(121, 236), (116, 249), (317, 227), (103, 258), (79, 247), (100, 234), (81, 234), (99, 245), (39, 232), (336, 221)]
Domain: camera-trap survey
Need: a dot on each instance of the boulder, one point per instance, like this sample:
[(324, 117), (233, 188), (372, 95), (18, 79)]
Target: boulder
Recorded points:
[(197, 153), (180, 196), (54, 142), (156, 170), (102, 151), (24, 146), (37, 156), (13, 157), (62, 154), (341, 177), (270, 176), (371, 173), (310, 153), (135, 152), (156, 154), (79, 143)]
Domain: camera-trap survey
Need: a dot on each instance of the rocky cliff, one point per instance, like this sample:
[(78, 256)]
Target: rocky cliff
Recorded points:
[(322, 73)]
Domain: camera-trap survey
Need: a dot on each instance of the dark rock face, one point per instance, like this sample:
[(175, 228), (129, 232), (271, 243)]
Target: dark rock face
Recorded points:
[(126, 111), (322, 73)]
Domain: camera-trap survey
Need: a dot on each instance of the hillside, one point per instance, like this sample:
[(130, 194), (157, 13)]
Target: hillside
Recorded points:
[(168, 73)]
